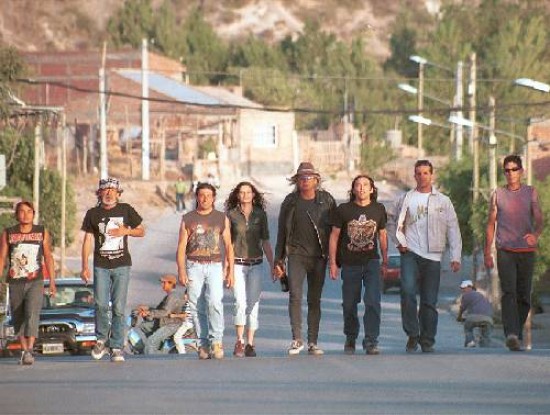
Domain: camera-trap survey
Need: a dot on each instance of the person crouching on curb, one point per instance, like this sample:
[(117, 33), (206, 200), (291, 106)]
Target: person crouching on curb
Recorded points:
[(479, 314), (163, 321)]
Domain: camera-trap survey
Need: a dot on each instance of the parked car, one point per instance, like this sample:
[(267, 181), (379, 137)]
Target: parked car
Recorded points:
[(392, 277), (67, 321)]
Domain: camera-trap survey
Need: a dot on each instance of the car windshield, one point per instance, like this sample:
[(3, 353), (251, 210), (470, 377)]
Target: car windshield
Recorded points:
[(70, 296)]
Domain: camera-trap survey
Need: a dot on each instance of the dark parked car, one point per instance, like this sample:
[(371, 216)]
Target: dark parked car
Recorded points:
[(392, 277), (67, 321)]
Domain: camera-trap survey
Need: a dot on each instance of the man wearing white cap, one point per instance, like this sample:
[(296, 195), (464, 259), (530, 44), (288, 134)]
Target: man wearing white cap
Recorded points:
[(107, 227), (478, 313)]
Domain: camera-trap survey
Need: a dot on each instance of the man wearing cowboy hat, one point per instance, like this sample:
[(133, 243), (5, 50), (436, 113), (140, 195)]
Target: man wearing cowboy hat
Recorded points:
[(302, 240), (108, 225)]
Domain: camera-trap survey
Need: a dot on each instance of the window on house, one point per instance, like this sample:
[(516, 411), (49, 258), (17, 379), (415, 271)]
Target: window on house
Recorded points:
[(265, 136)]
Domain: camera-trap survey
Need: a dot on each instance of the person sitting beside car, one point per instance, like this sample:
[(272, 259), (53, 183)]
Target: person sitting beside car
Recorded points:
[(83, 297), (158, 324)]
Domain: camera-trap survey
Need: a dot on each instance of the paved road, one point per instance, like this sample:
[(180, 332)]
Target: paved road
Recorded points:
[(452, 380)]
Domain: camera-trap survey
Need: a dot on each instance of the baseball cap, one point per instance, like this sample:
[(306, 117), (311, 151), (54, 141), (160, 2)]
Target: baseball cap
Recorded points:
[(466, 283)]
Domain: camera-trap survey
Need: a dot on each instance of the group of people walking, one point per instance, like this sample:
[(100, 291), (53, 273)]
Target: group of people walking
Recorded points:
[(217, 249)]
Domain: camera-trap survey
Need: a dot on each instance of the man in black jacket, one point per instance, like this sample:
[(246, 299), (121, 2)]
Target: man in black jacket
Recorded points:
[(302, 240)]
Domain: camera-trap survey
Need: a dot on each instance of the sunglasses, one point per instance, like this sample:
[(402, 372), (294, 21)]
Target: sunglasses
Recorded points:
[(306, 178), (512, 169)]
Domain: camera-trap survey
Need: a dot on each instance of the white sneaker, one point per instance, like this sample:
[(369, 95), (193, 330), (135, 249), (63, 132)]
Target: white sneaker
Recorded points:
[(295, 347), (471, 343), (99, 350), (117, 355)]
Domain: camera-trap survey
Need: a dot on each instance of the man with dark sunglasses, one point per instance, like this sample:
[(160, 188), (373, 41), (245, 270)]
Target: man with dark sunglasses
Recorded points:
[(516, 209)]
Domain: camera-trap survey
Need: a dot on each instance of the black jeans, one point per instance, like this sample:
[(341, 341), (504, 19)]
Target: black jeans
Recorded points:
[(314, 268), (515, 271)]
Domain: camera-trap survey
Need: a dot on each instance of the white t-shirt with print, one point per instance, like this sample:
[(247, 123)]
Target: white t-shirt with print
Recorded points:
[(416, 227)]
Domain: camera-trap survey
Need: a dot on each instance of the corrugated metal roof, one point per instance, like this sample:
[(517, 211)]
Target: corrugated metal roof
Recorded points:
[(171, 88), (228, 97)]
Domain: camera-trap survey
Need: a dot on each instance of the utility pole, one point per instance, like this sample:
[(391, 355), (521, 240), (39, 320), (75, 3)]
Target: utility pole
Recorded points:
[(36, 177), (103, 117), (63, 190), (459, 102), (495, 290), (420, 104), (145, 160), (473, 144)]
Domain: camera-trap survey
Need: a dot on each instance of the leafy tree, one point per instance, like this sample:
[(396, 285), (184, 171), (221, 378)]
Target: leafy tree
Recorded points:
[(133, 22), (206, 55), (167, 34), (18, 146), (11, 66)]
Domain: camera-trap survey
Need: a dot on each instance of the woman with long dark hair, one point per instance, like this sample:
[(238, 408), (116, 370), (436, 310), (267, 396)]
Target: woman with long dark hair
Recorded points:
[(245, 208)]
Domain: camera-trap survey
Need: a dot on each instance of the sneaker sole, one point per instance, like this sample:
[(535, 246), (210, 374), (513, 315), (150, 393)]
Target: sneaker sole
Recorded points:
[(294, 352), (98, 357)]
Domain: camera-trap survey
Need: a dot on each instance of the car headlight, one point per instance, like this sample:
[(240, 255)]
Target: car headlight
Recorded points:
[(88, 328)]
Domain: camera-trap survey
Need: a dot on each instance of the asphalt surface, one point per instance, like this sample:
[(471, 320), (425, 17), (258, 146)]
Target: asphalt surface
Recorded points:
[(452, 380)]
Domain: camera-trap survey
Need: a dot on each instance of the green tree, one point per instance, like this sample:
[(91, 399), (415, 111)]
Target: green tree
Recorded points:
[(167, 34), (133, 22), (18, 146), (206, 56), (11, 66)]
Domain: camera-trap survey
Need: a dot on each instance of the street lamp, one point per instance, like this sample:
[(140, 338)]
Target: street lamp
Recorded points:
[(531, 83), (420, 98), (412, 90), (539, 86)]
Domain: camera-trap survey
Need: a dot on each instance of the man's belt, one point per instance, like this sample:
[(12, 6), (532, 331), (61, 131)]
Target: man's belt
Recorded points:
[(248, 261)]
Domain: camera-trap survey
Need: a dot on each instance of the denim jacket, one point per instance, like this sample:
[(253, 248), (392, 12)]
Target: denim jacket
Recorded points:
[(320, 220), (442, 223)]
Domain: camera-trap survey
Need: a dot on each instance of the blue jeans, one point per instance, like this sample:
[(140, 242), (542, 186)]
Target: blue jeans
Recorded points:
[(354, 278), (420, 275), (247, 290), (111, 285), (153, 344), (485, 325), (205, 290), (515, 271)]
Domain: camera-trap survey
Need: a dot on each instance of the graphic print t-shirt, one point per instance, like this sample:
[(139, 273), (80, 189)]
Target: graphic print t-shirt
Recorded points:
[(110, 251), (204, 234), (25, 252), (359, 227)]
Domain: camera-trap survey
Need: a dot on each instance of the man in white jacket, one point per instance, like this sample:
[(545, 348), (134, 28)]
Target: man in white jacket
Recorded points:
[(421, 224)]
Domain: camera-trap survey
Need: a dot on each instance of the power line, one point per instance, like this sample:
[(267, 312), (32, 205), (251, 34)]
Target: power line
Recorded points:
[(383, 111)]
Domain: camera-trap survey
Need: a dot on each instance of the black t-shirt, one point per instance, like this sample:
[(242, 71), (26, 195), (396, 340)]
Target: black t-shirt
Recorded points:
[(110, 252), (359, 226), (304, 238)]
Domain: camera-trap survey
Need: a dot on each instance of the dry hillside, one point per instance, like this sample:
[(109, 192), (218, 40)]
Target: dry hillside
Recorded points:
[(79, 24)]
